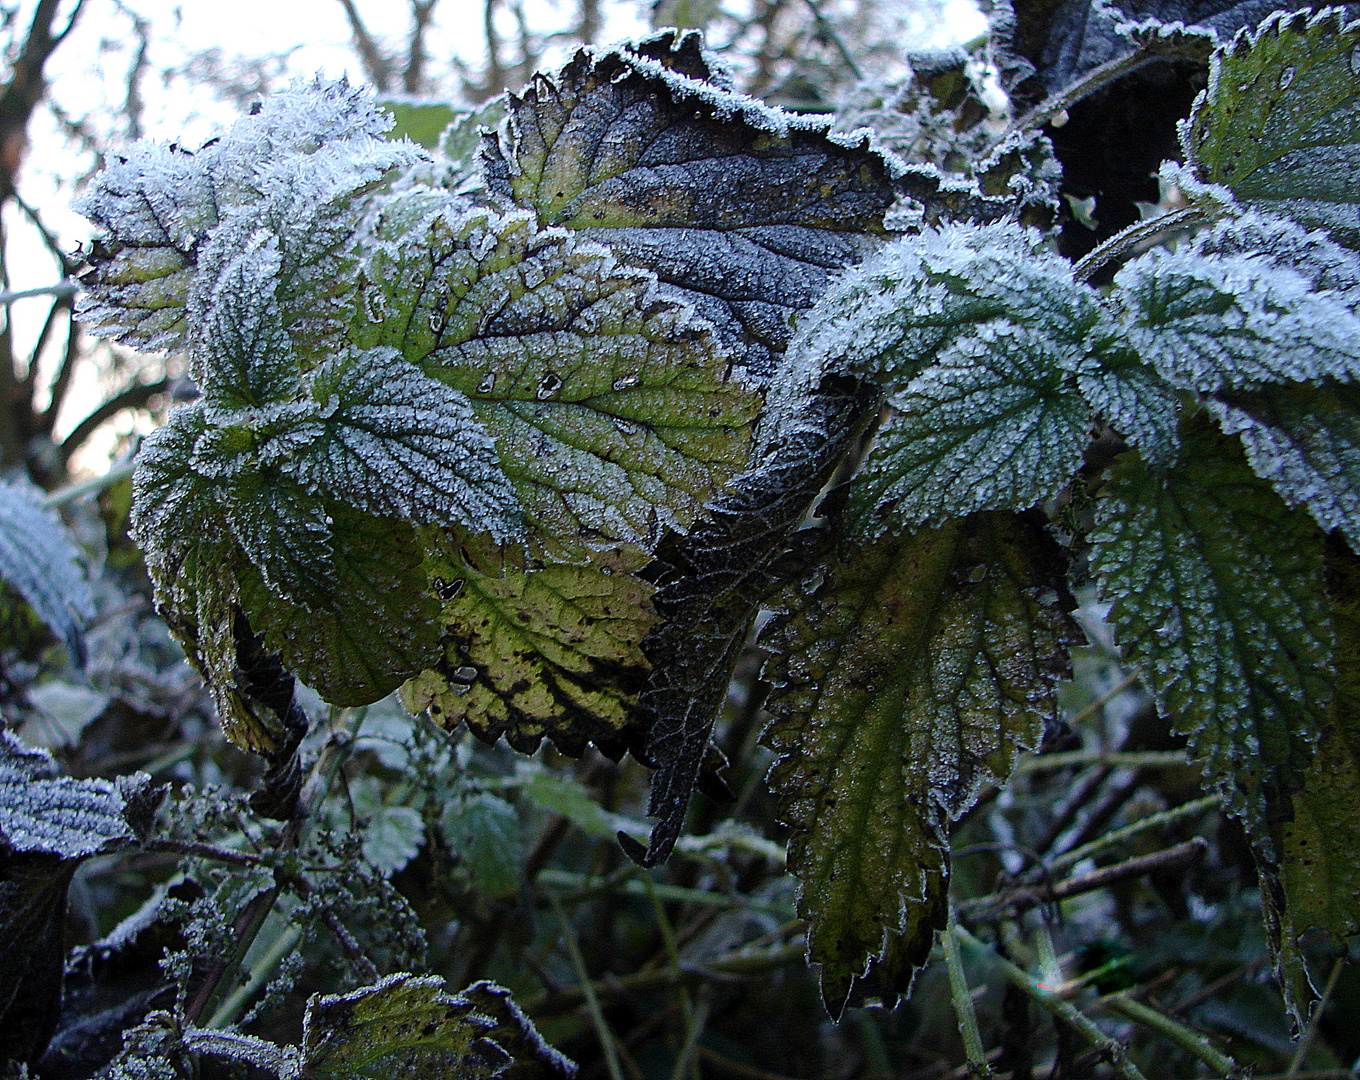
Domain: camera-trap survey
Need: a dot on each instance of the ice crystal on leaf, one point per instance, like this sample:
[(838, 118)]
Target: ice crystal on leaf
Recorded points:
[(1238, 321)]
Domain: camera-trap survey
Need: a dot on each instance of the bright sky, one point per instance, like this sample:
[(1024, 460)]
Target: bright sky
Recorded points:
[(89, 74)]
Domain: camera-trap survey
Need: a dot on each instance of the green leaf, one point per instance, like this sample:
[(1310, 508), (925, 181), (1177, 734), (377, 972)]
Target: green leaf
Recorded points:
[(609, 406), (1306, 442), (1207, 321), (422, 122), (285, 531), (1133, 399), (920, 668), (40, 561), (361, 640), (484, 832), (1217, 592), (1278, 123), (994, 423), (391, 837), (537, 648), (744, 211), (403, 1025), (889, 317), (390, 440)]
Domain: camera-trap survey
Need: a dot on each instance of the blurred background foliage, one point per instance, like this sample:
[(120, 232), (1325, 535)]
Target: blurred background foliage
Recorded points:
[(1115, 890)]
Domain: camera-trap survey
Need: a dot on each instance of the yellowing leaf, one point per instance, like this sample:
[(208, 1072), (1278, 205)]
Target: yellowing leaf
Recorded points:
[(919, 669)]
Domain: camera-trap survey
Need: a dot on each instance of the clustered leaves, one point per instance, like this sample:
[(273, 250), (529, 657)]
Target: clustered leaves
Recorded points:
[(538, 437)]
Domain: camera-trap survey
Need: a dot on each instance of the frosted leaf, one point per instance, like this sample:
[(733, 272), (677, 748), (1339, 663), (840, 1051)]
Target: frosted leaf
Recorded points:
[(992, 424), (40, 561), (376, 627), (888, 317), (1327, 265), (610, 407), (540, 649), (243, 355), (916, 672), (1277, 123), (1130, 397), (170, 498), (1306, 442), (744, 210), (1218, 593), (45, 813), (1239, 321), (391, 440), (285, 531)]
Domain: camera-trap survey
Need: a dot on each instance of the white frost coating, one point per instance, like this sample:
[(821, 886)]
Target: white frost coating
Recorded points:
[(990, 425), (895, 311), (1309, 450), (1326, 264), (1210, 321)]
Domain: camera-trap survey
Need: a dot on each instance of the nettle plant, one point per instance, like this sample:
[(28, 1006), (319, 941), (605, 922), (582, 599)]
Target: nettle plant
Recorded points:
[(534, 428)]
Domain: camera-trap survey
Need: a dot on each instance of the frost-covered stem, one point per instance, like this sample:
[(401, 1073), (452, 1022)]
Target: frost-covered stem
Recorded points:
[(244, 931), (963, 1002), (1189, 1041), (1061, 1010), (344, 725), (260, 973), (1308, 1036), (63, 290), (606, 1037), (1132, 241), (1152, 821), (243, 859), (67, 495)]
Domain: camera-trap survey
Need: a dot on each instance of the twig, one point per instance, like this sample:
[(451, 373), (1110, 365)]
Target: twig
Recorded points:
[(1115, 759), (1174, 1030), (1061, 1010), (63, 290), (963, 1003), (1135, 238), (1153, 821), (606, 1037)]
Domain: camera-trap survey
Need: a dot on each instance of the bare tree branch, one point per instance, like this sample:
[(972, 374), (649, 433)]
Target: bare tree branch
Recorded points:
[(377, 64), (135, 396), (413, 78)]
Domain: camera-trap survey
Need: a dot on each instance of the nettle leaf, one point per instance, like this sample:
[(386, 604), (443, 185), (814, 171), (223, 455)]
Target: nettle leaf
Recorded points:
[(1306, 441), (1277, 124), (888, 318), (743, 210), (40, 561), (485, 833), (1316, 884), (1217, 592), (403, 1025), (49, 824), (395, 442), (712, 583), (378, 626), (535, 648), (1132, 398), (920, 668), (610, 407), (994, 423), (1207, 321)]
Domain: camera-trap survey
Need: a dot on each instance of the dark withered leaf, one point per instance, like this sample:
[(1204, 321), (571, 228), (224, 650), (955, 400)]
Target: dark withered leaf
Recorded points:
[(744, 210)]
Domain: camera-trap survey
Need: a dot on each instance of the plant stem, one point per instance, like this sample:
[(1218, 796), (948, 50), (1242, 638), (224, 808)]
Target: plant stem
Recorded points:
[(1311, 1033), (261, 971), (1153, 821), (1174, 1030), (1132, 241), (1062, 1010), (1115, 759), (67, 495), (963, 1002), (606, 1036)]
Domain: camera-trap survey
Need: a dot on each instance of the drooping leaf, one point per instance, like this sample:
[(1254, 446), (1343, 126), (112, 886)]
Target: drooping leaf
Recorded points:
[(610, 407), (917, 670), (1208, 321), (1316, 884), (992, 424), (49, 824), (887, 318), (528, 650), (1217, 592), (530, 1057), (1277, 124), (1306, 441), (744, 210), (711, 585), (40, 561)]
